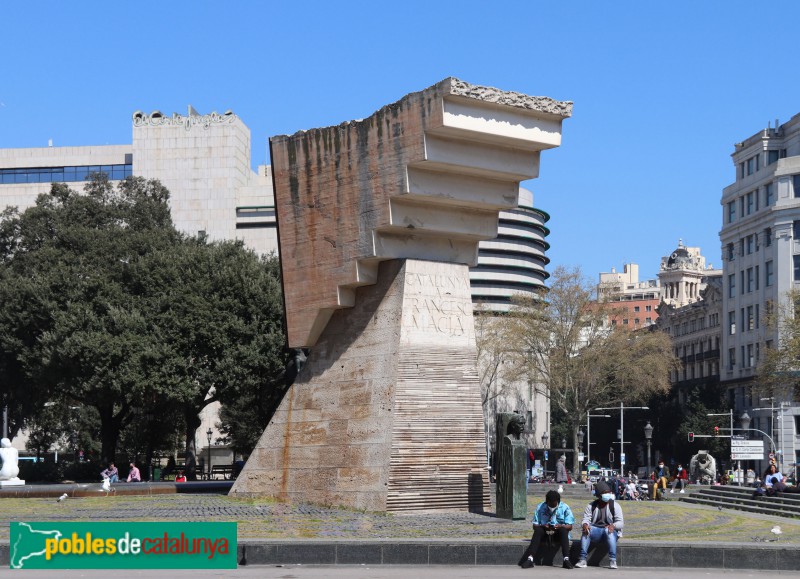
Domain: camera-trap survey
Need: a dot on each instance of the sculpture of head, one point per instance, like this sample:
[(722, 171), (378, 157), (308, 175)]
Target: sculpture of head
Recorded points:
[(516, 425)]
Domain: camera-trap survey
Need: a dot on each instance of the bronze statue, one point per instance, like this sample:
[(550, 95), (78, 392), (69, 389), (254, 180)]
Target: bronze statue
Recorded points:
[(510, 459)]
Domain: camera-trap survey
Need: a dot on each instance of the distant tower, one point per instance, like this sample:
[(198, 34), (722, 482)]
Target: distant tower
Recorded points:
[(681, 275)]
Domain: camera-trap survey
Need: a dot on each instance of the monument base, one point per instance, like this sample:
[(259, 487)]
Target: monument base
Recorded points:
[(14, 482), (386, 414)]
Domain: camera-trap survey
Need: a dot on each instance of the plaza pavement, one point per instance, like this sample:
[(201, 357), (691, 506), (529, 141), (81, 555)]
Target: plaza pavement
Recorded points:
[(662, 534)]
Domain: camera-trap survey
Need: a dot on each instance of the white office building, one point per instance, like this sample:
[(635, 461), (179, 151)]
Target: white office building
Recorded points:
[(760, 239)]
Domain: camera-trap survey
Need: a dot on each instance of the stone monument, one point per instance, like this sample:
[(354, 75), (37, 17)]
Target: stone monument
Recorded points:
[(378, 222), (9, 470), (511, 457), (703, 468)]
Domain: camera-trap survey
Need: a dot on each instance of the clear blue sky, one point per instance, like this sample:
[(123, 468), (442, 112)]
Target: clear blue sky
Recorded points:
[(662, 90)]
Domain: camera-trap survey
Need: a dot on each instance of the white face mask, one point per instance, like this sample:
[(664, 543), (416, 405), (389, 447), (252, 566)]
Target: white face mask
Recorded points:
[(551, 509), (605, 497), (680, 468)]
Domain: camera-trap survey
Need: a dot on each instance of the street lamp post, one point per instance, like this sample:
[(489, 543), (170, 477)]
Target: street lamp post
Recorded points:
[(545, 438), (648, 434), (209, 434), (589, 433), (622, 409)]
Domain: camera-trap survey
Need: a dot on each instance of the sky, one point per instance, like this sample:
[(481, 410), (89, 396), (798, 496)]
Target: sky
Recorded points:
[(661, 90)]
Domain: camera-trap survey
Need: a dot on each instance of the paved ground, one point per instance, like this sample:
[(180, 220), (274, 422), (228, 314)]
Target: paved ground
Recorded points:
[(648, 521), (401, 572)]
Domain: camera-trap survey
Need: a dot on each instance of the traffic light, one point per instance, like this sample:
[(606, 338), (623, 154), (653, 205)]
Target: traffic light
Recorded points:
[(691, 437), (716, 431)]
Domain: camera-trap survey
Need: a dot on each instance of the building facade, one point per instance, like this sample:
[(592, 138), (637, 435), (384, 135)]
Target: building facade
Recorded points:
[(638, 300), (760, 240), (694, 329)]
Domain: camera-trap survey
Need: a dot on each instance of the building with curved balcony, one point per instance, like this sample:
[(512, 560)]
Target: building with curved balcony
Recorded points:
[(514, 262)]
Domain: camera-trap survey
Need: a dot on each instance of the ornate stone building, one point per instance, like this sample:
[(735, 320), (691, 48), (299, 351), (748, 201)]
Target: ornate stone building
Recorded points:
[(682, 275), (695, 332)]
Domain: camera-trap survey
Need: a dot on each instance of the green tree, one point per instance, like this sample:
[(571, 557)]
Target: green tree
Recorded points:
[(779, 371), (565, 344), (72, 332), (106, 305)]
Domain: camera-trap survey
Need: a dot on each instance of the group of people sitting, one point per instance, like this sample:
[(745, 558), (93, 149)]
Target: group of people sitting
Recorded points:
[(602, 522), (112, 474)]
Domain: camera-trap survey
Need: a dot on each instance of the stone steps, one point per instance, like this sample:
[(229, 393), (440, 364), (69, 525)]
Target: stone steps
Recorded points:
[(741, 498)]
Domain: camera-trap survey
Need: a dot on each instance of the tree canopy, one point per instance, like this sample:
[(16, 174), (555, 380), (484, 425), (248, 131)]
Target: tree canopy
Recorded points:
[(103, 303), (564, 344)]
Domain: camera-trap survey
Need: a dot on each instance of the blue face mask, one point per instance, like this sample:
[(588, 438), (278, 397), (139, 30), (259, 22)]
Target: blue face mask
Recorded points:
[(605, 497)]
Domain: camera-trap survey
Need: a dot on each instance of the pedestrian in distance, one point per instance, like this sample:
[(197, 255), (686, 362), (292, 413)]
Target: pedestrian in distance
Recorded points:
[(680, 479), (552, 518), (561, 470), (661, 479), (134, 475), (111, 473), (602, 522)]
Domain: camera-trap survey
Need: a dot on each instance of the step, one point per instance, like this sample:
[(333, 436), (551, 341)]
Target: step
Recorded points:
[(764, 510)]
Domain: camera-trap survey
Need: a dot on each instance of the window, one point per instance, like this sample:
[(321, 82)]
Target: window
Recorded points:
[(648, 320), (757, 316), (751, 321), (625, 322), (62, 174), (635, 308), (732, 285), (768, 273), (796, 260), (796, 185), (757, 278), (772, 157), (750, 279), (741, 246), (648, 308), (731, 255), (731, 211), (741, 170), (731, 323), (768, 237), (750, 203), (769, 194), (749, 361), (731, 358), (751, 165), (758, 353), (750, 244), (796, 230)]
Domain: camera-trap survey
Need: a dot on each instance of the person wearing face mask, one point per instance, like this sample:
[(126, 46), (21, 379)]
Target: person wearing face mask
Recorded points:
[(551, 517), (602, 521), (661, 479), (680, 479)]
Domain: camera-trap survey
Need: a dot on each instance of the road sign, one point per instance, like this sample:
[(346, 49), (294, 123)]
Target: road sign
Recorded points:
[(747, 449), (581, 458), (771, 455), (622, 458), (749, 444)]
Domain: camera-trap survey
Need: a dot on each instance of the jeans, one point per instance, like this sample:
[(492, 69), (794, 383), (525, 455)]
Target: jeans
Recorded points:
[(678, 481), (597, 535)]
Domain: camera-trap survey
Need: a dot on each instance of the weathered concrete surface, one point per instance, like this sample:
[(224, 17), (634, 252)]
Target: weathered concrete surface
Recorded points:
[(422, 178), (386, 413)]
